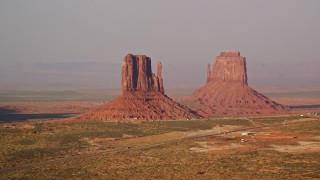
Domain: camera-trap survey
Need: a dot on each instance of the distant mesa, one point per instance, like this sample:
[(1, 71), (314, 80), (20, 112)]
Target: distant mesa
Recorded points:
[(227, 92), (142, 98)]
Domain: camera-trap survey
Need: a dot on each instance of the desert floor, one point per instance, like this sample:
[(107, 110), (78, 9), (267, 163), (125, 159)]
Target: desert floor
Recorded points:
[(36, 145)]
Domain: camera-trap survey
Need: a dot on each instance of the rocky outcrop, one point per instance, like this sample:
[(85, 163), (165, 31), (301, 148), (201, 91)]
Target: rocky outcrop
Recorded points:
[(229, 67), (159, 76), (142, 96), (227, 90), (137, 75)]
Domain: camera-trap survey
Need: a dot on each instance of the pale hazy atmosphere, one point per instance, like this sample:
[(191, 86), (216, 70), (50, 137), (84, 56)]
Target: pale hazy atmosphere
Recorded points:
[(81, 44), (145, 89)]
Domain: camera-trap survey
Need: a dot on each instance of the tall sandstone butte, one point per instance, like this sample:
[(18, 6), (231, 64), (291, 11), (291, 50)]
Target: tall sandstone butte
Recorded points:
[(142, 97), (137, 75), (227, 92)]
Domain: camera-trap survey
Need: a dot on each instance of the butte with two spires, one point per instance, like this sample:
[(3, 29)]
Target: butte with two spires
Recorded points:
[(226, 92), (142, 97)]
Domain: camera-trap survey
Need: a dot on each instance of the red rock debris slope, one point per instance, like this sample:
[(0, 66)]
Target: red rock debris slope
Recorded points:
[(143, 96), (227, 92)]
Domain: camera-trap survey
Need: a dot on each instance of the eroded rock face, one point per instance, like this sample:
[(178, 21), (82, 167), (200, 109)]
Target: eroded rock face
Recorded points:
[(142, 96), (229, 67), (227, 90), (137, 74), (159, 76)]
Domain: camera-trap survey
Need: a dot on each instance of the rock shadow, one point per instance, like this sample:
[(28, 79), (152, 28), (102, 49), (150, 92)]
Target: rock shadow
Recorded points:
[(14, 117), (8, 110), (306, 106)]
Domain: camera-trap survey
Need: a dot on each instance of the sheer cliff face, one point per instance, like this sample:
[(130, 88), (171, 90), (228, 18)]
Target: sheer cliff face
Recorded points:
[(229, 66), (137, 75)]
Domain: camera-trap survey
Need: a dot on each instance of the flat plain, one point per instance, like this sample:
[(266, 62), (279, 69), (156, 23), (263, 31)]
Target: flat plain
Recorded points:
[(35, 145)]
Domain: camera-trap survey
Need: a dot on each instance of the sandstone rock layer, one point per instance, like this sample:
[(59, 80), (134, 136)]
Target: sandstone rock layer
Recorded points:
[(227, 90), (142, 96), (137, 75)]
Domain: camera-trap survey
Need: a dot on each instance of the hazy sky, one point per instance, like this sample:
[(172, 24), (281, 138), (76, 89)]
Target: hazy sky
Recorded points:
[(40, 34)]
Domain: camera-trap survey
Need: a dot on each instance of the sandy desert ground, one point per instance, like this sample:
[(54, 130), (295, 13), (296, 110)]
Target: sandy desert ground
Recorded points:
[(276, 147)]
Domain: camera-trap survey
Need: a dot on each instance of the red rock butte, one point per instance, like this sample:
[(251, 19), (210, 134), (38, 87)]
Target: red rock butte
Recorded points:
[(137, 75), (142, 98), (227, 92)]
